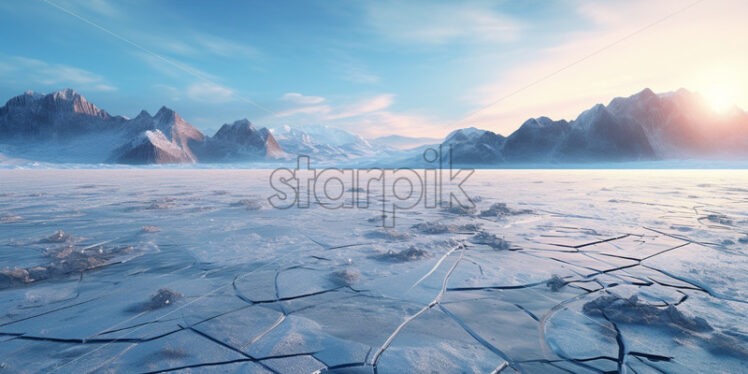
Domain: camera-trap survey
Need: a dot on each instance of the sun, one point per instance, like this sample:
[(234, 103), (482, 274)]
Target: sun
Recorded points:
[(720, 97), (719, 88)]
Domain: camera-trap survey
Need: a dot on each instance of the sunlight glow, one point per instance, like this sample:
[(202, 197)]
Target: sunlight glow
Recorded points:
[(721, 96), (720, 88)]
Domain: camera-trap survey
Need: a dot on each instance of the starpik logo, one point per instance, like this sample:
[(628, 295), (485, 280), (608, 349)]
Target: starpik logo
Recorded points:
[(433, 186)]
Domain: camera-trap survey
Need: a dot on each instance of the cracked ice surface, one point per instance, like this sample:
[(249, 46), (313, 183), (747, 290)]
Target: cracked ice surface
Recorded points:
[(154, 271)]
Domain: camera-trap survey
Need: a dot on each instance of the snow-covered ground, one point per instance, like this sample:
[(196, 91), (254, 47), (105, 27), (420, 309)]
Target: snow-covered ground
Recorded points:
[(142, 271)]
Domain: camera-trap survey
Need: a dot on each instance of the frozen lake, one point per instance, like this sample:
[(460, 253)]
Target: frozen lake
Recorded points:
[(146, 271)]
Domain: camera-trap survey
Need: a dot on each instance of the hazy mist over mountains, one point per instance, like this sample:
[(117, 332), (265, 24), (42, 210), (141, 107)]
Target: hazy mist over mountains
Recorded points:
[(63, 127)]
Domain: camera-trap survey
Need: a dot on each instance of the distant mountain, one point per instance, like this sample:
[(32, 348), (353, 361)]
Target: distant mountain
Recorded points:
[(59, 115), (644, 126), (473, 145), (151, 147), (240, 141), (64, 127), (536, 140), (59, 127), (324, 143), (403, 142), (163, 138)]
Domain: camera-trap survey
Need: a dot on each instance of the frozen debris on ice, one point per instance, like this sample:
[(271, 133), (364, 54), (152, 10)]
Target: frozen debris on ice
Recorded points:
[(490, 240), (406, 255), (345, 277), (688, 328), (9, 218), (681, 228), (64, 260), (74, 259), (727, 242), (163, 203), (163, 298), (632, 311), (729, 343), (158, 206), (442, 228), (38, 273), (502, 210), (433, 228), (17, 276), (58, 236), (460, 210), (555, 283), (720, 219), (378, 219), (388, 234), (469, 227), (249, 204), (150, 229)]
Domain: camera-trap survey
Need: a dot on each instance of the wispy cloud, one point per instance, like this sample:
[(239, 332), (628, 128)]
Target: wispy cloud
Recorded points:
[(306, 110), (192, 44), (210, 93), (223, 47), (331, 113), (365, 106), (28, 70), (441, 22), (383, 123), (199, 92), (298, 98)]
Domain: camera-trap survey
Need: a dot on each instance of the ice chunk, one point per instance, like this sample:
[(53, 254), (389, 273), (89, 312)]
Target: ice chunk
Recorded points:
[(58, 236), (630, 310), (9, 278), (410, 254), (9, 218), (444, 228), (164, 297), (388, 234), (490, 240), (460, 209), (502, 210), (345, 277), (149, 229), (555, 283), (719, 218), (248, 203)]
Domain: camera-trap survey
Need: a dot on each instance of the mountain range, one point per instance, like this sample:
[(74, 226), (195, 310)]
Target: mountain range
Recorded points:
[(64, 127), (644, 126)]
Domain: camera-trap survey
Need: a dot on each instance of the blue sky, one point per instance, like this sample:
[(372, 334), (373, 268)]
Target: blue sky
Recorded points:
[(374, 68)]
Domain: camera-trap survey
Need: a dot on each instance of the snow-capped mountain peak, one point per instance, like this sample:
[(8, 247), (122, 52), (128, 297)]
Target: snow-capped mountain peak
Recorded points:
[(466, 134)]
